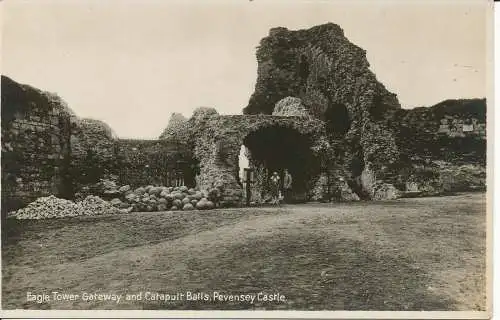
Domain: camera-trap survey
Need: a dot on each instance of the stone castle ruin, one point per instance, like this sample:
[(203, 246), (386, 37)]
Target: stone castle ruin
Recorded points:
[(317, 110), (273, 142)]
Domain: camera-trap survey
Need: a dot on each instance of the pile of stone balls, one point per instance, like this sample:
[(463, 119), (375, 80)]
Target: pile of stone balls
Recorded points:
[(126, 200), (153, 198), (53, 207)]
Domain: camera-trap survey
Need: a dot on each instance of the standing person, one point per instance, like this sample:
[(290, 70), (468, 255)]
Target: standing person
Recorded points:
[(215, 193), (338, 189), (287, 185), (275, 187)]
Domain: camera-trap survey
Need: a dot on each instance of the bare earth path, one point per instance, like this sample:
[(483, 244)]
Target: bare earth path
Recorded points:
[(408, 254)]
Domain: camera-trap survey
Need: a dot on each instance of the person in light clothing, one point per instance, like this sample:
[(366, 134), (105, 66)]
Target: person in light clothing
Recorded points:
[(275, 188), (287, 185)]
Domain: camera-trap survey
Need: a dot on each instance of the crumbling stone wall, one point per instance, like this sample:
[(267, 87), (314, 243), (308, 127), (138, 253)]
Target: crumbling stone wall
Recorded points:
[(218, 151), (453, 131), (91, 135), (47, 149), (134, 162), (97, 153), (92, 152), (216, 141), (314, 82), (444, 145), (176, 124), (328, 73), (290, 106), (153, 162), (35, 144)]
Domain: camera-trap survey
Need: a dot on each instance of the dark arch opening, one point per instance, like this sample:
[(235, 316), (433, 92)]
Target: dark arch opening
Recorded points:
[(337, 120), (280, 148)]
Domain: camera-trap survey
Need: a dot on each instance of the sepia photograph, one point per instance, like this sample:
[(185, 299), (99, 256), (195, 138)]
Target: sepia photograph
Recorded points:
[(232, 158)]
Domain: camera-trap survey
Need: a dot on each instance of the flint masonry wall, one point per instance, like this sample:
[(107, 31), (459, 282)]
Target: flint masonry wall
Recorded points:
[(92, 152), (445, 146), (330, 74), (218, 146), (380, 142), (153, 162), (35, 144), (47, 149), (97, 154), (453, 131)]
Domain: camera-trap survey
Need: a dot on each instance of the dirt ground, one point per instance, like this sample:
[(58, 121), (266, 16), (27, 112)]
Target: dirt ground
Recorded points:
[(406, 254)]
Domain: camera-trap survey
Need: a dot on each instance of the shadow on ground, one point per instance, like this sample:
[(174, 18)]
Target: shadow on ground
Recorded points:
[(411, 254), (314, 273)]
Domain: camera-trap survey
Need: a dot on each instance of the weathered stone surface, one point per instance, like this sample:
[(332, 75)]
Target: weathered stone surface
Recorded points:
[(440, 177), (332, 78), (116, 202), (91, 135), (370, 138), (218, 141), (35, 144), (176, 123), (320, 188), (47, 149), (159, 162), (314, 90), (452, 131), (318, 65), (53, 207), (346, 193), (444, 138), (124, 189), (290, 106), (385, 191)]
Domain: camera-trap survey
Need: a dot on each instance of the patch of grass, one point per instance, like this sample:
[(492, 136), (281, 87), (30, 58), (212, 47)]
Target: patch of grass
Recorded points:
[(408, 254), (55, 241), (314, 272)]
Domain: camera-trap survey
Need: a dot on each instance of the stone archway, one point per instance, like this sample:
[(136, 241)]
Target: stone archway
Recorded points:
[(274, 149), (218, 151)]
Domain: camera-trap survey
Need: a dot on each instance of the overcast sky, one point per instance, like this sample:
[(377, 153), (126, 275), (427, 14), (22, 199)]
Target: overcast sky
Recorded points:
[(133, 63)]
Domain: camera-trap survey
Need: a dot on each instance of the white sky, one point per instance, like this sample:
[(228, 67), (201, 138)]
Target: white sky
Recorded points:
[(133, 63)]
